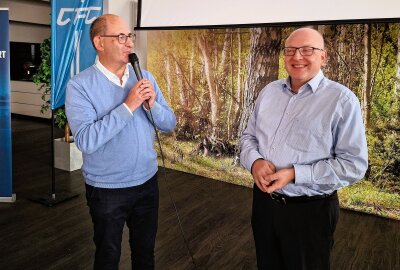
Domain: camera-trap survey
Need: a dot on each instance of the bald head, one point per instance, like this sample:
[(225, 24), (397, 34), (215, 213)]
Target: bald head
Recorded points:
[(304, 64), (308, 35), (99, 26)]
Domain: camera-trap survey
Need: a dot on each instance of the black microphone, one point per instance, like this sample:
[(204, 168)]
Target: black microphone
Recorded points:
[(133, 59)]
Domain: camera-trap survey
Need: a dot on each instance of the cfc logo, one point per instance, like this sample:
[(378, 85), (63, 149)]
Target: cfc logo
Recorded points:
[(89, 14)]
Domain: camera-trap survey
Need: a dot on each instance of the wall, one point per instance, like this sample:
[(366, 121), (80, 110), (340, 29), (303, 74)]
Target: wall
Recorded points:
[(29, 22)]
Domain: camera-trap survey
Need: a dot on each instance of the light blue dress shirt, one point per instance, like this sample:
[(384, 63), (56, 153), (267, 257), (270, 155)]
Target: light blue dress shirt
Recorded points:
[(318, 131)]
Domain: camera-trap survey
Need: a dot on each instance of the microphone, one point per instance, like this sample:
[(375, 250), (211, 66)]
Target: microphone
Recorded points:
[(133, 59)]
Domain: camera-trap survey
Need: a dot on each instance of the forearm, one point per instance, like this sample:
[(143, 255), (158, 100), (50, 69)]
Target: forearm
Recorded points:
[(164, 118), (249, 153), (349, 160), (92, 127), (249, 145), (90, 135), (335, 172)]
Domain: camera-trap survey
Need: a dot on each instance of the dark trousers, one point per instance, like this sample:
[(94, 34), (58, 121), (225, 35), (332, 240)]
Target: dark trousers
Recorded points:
[(294, 235), (110, 209)]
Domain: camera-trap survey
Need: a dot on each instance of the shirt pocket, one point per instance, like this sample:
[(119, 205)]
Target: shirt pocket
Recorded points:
[(308, 136)]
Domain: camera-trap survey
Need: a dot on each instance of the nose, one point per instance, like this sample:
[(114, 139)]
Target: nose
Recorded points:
[(297, 54), (129, 43)]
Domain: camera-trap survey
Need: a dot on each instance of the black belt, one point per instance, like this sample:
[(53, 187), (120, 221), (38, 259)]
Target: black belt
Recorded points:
[(280, 198)]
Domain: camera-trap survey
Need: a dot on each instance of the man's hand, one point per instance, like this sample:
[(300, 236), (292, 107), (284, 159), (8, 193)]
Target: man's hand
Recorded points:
[(260, 170), (140, 92), (279, 179)]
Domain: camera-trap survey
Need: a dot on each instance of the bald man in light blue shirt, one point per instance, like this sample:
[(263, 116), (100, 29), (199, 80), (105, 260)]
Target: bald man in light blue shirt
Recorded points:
[(303, 142)]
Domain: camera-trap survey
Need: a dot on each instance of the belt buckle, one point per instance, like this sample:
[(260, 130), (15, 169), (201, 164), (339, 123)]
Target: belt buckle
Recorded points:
[(276, 197)]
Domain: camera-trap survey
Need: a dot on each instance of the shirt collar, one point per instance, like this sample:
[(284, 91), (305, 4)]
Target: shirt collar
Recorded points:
[(111, 76), (313, 83)]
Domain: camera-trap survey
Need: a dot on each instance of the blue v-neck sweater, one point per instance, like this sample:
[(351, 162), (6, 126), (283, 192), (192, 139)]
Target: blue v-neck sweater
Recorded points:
[(117, 146)]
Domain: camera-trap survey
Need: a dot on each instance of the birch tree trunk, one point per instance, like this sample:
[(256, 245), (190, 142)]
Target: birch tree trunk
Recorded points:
[(192, 81), (168, 78), (366, 93), (181, 87), (180, 82), (239, 84), (232, 92), (262, 67), (226, 49), (206, 48)]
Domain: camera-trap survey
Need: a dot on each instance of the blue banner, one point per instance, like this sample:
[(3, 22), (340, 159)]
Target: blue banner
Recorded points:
[(5, 113), (71, 47)]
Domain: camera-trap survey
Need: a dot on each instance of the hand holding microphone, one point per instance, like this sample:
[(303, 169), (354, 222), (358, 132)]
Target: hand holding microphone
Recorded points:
[(142, 91)]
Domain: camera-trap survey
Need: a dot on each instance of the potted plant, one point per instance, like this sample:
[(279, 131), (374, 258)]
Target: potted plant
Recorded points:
[(66, 154)]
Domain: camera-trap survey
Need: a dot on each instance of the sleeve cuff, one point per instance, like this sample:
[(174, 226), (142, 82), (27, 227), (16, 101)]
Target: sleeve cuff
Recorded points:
[(129, 110), (124, 112), (303, 174), (253, 156), (155, 109)]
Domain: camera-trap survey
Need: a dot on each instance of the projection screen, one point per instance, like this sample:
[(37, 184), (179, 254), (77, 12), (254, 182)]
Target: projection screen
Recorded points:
[(158, 14)]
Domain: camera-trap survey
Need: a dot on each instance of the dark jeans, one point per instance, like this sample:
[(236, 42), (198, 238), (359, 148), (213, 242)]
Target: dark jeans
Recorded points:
[(293, 235), (110, 209)]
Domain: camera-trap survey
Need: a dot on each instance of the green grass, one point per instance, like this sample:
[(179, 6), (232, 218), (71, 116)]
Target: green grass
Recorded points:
[(365, 197), (362, 196)]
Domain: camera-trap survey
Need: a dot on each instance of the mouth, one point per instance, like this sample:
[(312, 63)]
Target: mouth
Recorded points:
[(299, 66)]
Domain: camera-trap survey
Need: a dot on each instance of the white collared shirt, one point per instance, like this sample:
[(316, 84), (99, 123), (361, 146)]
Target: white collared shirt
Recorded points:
[(114, 78), (111, 76)]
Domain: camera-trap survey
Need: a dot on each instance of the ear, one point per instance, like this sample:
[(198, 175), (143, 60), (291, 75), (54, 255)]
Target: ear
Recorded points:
[(98, 43), (324, 57)]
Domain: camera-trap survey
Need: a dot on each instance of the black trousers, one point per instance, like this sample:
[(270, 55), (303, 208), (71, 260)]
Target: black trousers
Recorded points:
[(110, 209), (293, 235)]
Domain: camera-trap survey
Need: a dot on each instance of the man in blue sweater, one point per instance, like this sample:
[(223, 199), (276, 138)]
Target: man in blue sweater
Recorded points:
[(111, 124)]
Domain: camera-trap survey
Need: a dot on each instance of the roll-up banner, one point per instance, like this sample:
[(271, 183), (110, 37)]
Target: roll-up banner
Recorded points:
[(71, 48), (6, 194)]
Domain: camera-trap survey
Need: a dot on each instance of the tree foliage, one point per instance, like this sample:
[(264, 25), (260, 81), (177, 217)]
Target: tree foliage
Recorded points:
[(205, 75)]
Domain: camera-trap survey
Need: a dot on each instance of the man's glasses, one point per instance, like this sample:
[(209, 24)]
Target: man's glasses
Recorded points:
[(304, 51), (122, 38)]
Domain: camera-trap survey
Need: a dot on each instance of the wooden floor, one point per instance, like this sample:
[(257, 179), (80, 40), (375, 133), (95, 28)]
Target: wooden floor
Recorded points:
[(215, 217)]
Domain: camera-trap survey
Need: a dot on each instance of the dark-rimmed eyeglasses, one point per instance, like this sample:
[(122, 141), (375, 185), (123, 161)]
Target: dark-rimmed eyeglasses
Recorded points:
[(304, 51), (122, 38)]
